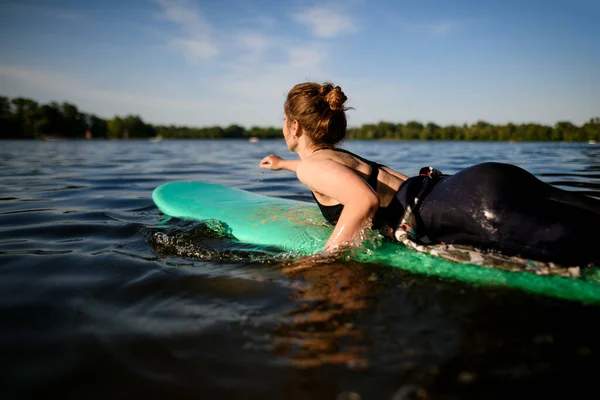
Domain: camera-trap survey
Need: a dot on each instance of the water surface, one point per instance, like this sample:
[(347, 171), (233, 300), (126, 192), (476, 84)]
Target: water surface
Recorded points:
[(92, 306)]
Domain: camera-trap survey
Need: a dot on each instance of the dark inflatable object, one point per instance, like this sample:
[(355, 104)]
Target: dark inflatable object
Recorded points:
[(496, 206)]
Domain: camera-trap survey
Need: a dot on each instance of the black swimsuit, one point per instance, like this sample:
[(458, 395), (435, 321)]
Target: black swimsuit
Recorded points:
[(385, 216), (493, 206)]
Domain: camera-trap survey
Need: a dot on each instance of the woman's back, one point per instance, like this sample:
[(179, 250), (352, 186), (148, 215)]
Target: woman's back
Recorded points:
[(387, 180)]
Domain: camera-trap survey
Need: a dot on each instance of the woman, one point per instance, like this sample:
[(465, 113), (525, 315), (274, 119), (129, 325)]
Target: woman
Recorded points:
[(490, 206)]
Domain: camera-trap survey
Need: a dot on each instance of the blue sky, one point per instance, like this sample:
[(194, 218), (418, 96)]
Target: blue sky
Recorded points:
[(200, 63)]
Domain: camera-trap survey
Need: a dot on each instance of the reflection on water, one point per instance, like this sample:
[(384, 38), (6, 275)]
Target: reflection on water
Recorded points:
[(320, 330), (102, 296)]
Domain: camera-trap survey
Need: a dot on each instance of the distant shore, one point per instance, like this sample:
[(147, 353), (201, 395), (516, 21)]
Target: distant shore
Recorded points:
[(22, 118)]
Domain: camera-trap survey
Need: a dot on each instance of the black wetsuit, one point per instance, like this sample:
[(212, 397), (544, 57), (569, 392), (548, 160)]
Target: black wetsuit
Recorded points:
[(496, 206)]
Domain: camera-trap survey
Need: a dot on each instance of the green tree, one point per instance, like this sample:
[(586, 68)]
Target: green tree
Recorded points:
[(234, 131), (592, 129), (431, 131), (412, 130), (384, 130), (7, 123), (116, 128), (449, 132), (74, 125), (25, 115), (135, 128), (506, 132), (565, 130), (50, 122), (98, 127)]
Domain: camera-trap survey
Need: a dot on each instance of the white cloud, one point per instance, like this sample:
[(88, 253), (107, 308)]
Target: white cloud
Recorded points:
[(195, 48), (245, 47), (197, 40), (255, 43), (246, 73), (257, 90), (433, 28), (186, 15), (325, 22), (256, 82), (305, 57)]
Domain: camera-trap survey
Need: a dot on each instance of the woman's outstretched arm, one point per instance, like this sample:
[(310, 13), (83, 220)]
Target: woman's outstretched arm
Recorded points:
[(275, 163)]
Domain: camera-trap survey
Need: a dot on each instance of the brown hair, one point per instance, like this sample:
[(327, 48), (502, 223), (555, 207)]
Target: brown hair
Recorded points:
[(320, 111)]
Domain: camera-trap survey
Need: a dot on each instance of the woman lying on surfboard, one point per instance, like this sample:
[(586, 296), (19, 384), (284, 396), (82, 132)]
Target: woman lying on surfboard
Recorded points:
[(489, 206)]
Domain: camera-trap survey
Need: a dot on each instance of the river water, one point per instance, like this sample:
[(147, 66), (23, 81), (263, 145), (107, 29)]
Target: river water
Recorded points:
[(91, 306)]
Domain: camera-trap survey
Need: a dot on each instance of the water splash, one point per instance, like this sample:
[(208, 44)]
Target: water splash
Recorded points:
[(208, 239)]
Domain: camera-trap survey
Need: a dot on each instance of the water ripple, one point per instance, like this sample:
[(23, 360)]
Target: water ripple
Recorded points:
[(95, 281)]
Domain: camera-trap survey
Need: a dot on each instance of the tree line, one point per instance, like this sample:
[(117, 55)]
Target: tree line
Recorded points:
[(22, 118), (561, 131)]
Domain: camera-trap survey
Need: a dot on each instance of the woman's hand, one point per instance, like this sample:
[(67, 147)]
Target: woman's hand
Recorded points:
[(275, 163), (272, 162)]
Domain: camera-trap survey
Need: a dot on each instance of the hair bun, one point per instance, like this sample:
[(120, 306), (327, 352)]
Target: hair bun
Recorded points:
[(333, 96)]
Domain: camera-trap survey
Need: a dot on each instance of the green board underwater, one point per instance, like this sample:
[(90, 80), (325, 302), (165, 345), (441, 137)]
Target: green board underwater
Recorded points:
[(297, 226)]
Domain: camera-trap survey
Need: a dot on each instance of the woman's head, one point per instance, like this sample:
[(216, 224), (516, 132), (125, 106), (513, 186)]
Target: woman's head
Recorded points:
[(320, 111)]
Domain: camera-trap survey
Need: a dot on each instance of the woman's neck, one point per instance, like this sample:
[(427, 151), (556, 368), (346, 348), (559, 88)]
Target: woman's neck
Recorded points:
[(306, 148), (309, 151)]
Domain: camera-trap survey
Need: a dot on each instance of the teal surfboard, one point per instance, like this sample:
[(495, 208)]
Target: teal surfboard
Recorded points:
[(251, 218), (298, 227)]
